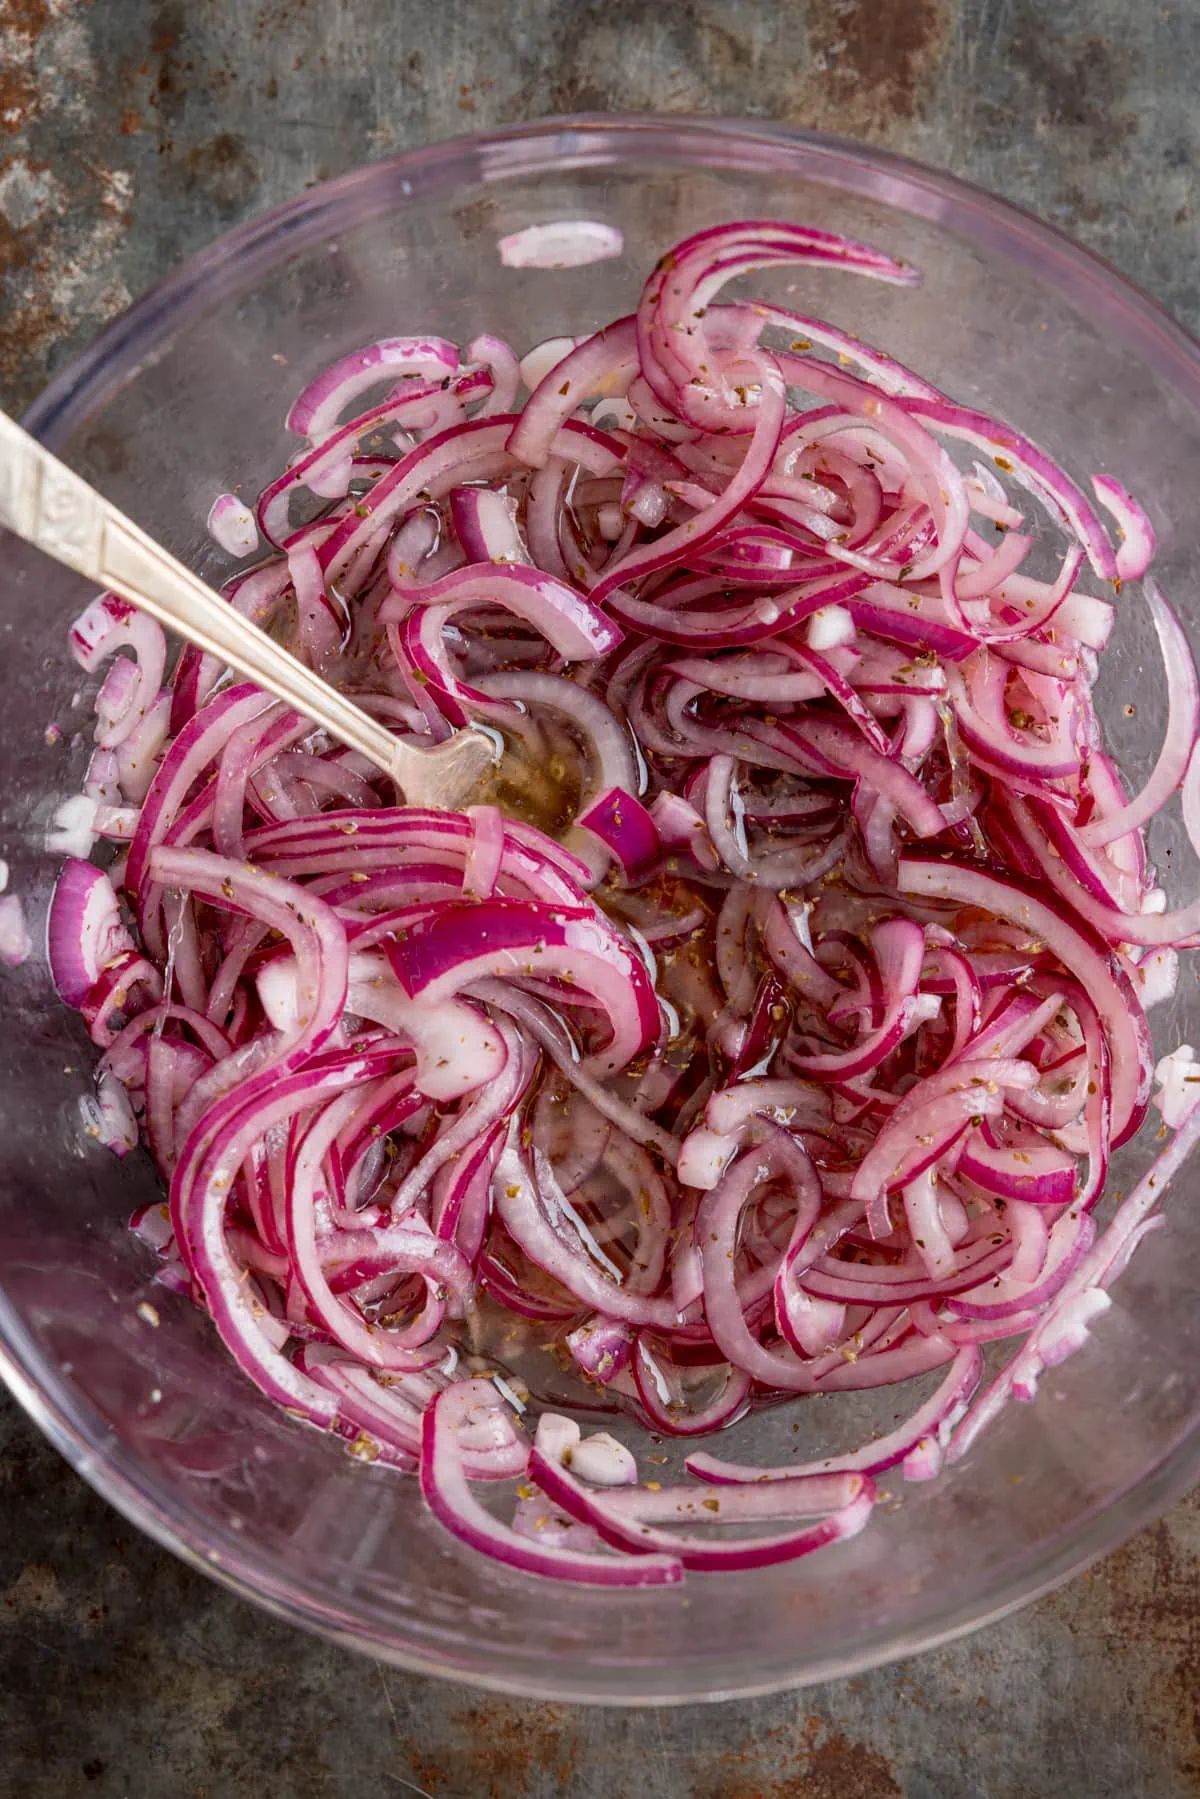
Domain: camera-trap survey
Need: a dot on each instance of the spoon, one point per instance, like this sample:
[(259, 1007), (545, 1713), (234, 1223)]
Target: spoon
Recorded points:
[(57, 511)]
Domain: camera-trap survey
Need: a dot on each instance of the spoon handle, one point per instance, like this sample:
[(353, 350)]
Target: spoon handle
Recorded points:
[(57, 511)]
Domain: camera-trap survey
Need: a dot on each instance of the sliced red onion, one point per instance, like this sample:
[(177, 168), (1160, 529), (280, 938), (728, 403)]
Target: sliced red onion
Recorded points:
[(1183, 728), (328, 467), (932, 1422), (551, 1035), (499, 362), (407, 1246), (665, 1402), (380, 1423), (1093, 966), (1135, 551), (606, 740), (206, 1168), (673, 350), (406, 1077), (853, 1283), (440, 955), (890, 375), (547, 1466), (538, 1520), (995, 745), (680, 826), (541, 1220), (623, 825), (565, 244), (445, 1489), (110, 624), (1030, 466), (16, 944), (602, 1349), (485, 856), (486, 525), (537, 363), (931, 1117), (232, 525), (600, 365), (457, 1050), (322, 402), (900, 944), (687, 538), (84, 931), (1063, 1327), (1032, 1170), (725, 1504), (1070, 1239), (574, 626)]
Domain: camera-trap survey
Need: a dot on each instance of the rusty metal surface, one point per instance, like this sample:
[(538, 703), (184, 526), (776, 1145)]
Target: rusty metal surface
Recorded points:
[(125, 1675), (131, 134)]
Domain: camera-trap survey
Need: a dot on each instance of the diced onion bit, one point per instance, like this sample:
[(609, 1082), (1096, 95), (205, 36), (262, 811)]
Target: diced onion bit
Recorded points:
[(767, 1028), (562, 244), (232, 524), (16, 944)]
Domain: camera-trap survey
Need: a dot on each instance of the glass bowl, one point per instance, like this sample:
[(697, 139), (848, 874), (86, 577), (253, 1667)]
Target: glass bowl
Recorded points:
[(185, 396)]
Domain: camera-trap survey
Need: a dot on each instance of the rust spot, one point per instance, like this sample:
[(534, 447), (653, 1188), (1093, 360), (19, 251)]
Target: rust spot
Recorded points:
[(35, 1593), (575, 92), (37, 301), (1076, 80), (19, 98), (17, 241), (724, 50), (840, 1769), (876, 55), (25, 18), (1149, 1596), (474, 218), (163, 66), (496, 1750), (811, 1761), (131, 122)]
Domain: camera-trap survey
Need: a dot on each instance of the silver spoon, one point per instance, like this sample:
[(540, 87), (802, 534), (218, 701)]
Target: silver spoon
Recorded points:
[(57, 511)]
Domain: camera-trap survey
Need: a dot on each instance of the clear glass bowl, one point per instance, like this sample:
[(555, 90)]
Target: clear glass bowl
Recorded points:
[(184, 396)]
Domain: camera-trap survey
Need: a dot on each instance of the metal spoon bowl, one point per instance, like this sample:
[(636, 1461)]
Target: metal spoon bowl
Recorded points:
[(56, 510)]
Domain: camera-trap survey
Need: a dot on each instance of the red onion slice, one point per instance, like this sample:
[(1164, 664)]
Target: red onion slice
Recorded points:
[(231, 523), (628, 1532), (715, 1085), (565, 244), (623, 825), (317, 409), (446, 1492), (1183, 728), (16, 944), (1135, 552), (84, 931), (932, 1424)]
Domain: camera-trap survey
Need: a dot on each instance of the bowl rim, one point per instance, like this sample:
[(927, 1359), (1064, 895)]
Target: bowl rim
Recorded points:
[(588, 139), (87, 378)]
